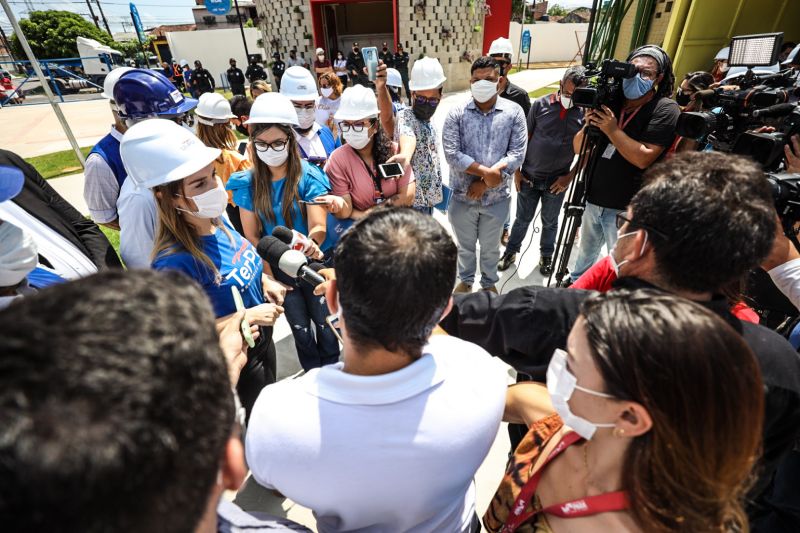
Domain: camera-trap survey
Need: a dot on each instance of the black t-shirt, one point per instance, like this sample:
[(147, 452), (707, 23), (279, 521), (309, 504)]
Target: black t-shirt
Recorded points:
[(401, 61), (387, 57), (615, 180), (518, 96), (235, 75)]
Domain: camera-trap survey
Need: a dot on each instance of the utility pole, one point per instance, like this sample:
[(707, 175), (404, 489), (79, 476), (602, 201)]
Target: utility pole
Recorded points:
[(103, 16), (23, 41), (241, 28), (91, 13)]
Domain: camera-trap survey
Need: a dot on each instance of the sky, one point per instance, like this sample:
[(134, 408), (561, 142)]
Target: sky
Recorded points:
[(152, 12)]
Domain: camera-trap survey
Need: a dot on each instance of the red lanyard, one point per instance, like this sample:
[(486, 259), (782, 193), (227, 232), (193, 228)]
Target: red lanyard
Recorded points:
[(602, 503), (622, 122)]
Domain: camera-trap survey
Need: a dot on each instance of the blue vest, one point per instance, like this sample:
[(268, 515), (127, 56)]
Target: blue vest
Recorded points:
[(108, 149)]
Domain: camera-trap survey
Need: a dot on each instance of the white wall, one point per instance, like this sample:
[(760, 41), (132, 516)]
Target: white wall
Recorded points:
[(214, 48), (550, 41)]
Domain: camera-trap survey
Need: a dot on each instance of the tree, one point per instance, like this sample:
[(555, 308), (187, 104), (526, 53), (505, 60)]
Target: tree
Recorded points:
[(52, 34), (557, 11)]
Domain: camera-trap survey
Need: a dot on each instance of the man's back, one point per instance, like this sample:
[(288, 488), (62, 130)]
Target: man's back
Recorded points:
[(394, 452)]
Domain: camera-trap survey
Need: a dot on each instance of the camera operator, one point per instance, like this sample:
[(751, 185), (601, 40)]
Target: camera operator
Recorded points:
[(637, 133), (683, 233), (686, 97)]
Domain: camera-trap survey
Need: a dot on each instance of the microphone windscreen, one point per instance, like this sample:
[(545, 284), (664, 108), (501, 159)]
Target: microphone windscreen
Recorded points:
[(283, 233), (271, 249)]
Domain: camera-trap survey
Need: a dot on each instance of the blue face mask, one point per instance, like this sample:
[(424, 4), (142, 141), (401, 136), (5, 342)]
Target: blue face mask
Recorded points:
[(636, 87)]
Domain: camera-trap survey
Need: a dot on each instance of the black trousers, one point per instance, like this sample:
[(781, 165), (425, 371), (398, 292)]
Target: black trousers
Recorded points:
[(404, 76), (237, 88), (260, 370)]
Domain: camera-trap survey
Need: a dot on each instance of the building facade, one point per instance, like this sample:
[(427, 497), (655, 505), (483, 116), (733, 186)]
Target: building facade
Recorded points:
[(450, 30), (207, 21)]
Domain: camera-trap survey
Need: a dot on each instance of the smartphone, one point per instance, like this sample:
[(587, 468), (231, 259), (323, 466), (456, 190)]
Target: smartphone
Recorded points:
[(246, 333), (319, 161), (314, 202), (390, 170), (370, 54)]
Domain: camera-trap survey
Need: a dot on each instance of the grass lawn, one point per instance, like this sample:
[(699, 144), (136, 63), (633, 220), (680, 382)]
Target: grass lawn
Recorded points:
[(543, 90), (58, 163), (112, 235)]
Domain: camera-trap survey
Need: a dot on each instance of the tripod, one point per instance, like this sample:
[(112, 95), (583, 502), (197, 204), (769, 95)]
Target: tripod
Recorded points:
[(575, 204)]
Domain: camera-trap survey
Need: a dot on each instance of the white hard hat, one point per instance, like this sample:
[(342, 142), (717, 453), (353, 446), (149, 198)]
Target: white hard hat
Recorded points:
[(213, 108), (393, 77), (273, 108), (426, 74), (183, 63), (159, 151), (501, 45), (723, 54), (111, 80), (357, 102), (298, 83), (18, 254)]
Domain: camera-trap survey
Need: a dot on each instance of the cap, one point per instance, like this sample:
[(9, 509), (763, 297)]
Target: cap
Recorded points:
[(320, 51)]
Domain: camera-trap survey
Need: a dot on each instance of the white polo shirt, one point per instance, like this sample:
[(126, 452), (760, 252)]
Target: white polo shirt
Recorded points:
[(395, 452), (137, 223)]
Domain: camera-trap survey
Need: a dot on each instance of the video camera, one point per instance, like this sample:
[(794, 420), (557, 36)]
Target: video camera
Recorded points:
[(786, 193), (760, 100), (605, 85)]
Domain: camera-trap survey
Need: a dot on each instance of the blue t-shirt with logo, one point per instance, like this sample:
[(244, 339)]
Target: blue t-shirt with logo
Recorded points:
[(313, 183), (237, 262)]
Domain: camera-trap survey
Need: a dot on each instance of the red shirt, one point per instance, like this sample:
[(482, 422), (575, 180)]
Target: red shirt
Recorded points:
[(601, 275)]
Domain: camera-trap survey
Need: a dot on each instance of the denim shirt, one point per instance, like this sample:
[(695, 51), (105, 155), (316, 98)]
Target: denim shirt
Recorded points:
[(470, 135)]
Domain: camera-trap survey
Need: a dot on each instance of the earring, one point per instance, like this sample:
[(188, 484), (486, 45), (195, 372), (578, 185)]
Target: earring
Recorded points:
[(618, 433)]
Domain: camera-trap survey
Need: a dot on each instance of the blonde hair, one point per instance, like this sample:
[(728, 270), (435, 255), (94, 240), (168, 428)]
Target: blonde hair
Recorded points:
[(262, 179), (217, 136), (260, 85), (174, 234), (334, 82)]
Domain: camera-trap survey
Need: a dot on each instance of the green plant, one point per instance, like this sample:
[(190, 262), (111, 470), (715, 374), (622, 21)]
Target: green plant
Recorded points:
[(296, 9), (249, 24), (260, 43), (307, 35), (52, 34), (477, 28)]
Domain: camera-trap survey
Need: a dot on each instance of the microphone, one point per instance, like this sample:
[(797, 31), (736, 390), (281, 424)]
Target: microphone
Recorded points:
[(295, 240), (291, 262), (777, 110)]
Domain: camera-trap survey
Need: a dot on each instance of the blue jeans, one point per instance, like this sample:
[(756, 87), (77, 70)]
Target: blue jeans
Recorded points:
[(475, 223), (599, 227), (528, 197), (302, 308)]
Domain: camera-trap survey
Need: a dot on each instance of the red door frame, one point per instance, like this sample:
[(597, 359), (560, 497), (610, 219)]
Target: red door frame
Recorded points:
[(316, 18)]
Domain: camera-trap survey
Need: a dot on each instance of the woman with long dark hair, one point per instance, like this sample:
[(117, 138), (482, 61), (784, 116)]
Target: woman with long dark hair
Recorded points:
[(658, 412), (353, 169), (279, 191), (193, 237)]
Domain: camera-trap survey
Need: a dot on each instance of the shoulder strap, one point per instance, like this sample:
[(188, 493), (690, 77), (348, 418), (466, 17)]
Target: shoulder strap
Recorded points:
[(375, 180)]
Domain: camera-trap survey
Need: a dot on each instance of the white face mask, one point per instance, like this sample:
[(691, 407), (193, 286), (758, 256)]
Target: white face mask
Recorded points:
[(273, 158), (357, 139), (561, 384), (616, 266), (305, 117), (483, 90), (210, 204), (326, 92), (566, 101)]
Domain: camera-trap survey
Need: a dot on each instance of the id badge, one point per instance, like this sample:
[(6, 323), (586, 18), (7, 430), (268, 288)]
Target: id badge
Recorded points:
[(609, 151)]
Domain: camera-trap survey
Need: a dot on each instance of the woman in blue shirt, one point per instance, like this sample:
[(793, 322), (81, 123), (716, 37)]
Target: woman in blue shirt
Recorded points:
[(193, 237), (279, 191)]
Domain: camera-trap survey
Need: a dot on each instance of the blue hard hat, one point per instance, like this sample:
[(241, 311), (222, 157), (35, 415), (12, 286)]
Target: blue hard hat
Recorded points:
[(11, 181), (143, 93)]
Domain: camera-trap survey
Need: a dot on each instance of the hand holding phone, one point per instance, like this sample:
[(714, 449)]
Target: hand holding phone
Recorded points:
[(248, 336), (370, 54), (390, 170)]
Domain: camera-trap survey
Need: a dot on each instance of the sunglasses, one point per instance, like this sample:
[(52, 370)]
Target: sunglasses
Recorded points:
[(421, 100)]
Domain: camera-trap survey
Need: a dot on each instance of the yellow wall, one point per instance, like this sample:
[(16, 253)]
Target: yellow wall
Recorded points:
[(700, 28)]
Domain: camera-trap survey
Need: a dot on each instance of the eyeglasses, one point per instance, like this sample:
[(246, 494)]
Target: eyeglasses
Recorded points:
[(358, 127), (421, 100), (621, 220), (278, 146)]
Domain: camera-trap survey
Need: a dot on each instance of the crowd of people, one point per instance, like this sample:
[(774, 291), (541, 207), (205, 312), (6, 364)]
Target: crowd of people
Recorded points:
[(649, 399)]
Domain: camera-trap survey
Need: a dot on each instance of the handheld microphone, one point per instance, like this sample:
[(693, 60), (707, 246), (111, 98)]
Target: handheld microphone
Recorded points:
[(777, 110), (291, 262), (295, 240)]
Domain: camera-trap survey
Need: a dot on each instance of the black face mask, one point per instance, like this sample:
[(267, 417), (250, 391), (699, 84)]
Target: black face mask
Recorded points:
[(243, 130), (682, 98), (424, 111), (385, 49), (355, 50)]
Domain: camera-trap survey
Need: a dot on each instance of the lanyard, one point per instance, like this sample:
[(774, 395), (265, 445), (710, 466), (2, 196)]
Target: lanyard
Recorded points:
[(602, 503), (622, 122), (378, 192)]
